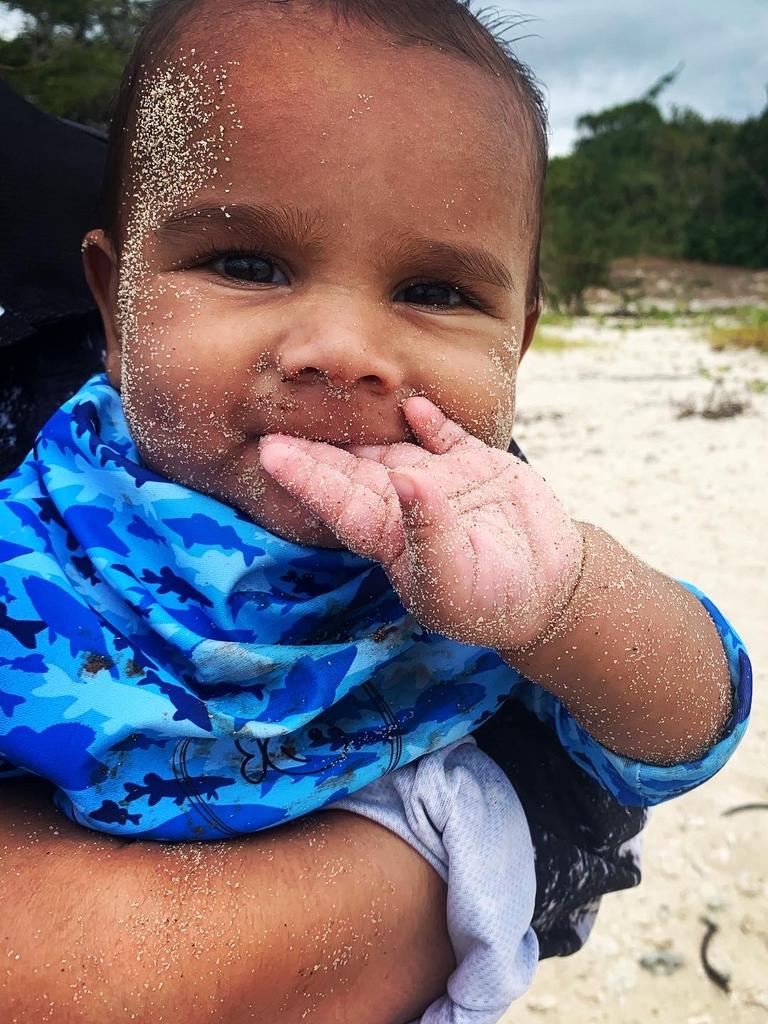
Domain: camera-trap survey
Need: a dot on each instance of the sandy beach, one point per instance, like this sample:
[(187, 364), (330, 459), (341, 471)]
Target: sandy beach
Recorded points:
[(601, 420)]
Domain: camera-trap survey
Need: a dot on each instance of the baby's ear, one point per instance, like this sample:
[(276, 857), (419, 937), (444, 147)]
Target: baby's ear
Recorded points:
[(101, 272), (531, 319)]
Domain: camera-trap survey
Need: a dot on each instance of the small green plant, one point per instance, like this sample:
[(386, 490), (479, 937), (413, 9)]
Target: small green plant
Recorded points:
[(657, 315), (546, 342), (722, 402), (551, 318), (750, 332)]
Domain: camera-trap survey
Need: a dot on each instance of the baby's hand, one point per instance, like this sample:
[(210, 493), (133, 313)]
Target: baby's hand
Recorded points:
[(475, 543)]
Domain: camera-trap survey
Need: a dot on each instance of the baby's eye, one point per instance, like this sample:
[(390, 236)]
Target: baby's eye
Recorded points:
[(431, 293), (251, 268)]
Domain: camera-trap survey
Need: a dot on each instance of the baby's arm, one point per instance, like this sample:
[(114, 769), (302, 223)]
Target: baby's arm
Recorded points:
[(636, 658), (480, 549)]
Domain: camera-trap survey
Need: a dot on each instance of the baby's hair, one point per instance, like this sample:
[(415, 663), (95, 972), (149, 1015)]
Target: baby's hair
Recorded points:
[(448, 25)]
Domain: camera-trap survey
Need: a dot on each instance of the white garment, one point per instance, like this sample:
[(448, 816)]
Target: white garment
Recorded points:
[(459, 810)]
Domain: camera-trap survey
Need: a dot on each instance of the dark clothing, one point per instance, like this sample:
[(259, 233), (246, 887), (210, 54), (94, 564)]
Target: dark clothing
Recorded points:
[(579, 829), (50, 174)]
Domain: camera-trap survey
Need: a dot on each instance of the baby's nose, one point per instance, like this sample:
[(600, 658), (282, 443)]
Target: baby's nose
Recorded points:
[(342, 356)]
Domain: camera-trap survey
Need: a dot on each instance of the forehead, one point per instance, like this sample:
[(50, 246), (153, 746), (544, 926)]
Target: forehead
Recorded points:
[(341, 117)]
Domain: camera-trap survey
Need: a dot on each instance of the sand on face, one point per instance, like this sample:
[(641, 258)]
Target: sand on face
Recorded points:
[(689, 495)]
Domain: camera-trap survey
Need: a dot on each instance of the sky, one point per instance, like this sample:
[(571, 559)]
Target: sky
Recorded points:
[(590, 54)]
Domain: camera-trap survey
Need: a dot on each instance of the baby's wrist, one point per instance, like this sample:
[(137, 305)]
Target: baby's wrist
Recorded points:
[(571, 607)]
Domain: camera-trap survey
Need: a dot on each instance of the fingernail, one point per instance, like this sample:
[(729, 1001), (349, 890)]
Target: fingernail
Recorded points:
[(403, 486), (270, 439), (271, 455), (363, 451)]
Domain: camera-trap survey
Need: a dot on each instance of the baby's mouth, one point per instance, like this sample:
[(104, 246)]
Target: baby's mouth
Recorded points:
[(342, 439), (344, 426)]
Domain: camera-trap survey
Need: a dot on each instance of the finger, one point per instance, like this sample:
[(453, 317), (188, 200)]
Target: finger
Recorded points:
[(426, 509), (433, 429), (393, 456), (332, 455), (353, 497)]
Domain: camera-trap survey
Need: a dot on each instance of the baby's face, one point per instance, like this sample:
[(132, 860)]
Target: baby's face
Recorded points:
[(324, 224)]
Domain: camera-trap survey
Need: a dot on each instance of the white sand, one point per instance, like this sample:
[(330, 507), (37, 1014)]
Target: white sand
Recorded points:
[(691, 497)]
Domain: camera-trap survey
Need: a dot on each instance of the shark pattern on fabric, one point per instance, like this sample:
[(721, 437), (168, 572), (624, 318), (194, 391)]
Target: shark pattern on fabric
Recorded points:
[(179, 672)]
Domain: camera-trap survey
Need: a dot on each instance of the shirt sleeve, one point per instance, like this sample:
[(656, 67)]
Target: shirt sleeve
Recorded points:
[(638, 783)]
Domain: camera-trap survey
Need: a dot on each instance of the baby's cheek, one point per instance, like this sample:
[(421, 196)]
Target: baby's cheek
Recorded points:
[(503, 361), (179, 426), (175, 399), (479, 393), (174, 435)]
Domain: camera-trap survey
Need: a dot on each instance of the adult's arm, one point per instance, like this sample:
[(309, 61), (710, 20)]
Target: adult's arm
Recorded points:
[(331, 919)]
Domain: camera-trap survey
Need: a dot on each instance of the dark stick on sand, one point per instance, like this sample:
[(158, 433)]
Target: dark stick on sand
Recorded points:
[(723, 981), (744, 807)]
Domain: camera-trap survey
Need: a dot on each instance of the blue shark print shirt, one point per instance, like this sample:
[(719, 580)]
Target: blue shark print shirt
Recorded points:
[(178, 672)]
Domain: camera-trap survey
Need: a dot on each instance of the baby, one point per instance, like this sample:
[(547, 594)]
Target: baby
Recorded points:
[(282, 551)]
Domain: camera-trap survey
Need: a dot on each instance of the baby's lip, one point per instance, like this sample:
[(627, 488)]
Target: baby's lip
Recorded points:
[(339, 439), (345, 427), (315, 413)]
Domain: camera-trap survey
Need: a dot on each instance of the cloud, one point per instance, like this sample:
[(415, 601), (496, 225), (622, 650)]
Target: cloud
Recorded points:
[(10, 22), (595, 53)]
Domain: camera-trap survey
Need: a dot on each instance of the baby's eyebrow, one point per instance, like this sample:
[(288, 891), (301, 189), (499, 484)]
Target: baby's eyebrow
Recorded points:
[(244, 222), (478, 264)]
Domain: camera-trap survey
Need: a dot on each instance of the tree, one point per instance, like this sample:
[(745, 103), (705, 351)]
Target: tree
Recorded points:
[(727, 189), (69, 54), (640, 184)]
